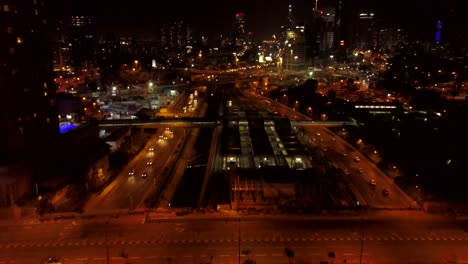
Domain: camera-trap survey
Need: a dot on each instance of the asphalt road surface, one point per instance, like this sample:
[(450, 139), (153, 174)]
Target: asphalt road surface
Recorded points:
[(391, 238)]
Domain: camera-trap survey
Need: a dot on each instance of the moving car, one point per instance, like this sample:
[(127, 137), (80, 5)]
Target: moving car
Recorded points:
[(386, 192), (144, 175)]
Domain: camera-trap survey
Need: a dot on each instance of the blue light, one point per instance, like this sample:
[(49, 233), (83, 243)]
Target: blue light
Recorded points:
[(438, 32), (65, 127)]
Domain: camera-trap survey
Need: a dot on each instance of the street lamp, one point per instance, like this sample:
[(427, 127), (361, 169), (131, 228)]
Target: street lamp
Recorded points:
[(239, 238)]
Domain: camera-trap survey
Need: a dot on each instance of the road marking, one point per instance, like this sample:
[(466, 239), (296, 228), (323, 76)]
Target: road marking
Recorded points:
[(81, 259), (261, 255), (151, 257), (348, 254)]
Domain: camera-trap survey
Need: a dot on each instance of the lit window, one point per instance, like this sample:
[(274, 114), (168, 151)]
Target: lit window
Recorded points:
[(35, 114), (36, 12), (45, 85), (19, 40), (45, 93), (6, 8)]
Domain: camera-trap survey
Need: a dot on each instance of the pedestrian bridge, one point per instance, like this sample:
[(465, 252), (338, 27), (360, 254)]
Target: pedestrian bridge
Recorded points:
[(203, 122)]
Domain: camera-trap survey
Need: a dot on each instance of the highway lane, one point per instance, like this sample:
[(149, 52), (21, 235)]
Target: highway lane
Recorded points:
[(388, 226), (427, 240), (372, 252)]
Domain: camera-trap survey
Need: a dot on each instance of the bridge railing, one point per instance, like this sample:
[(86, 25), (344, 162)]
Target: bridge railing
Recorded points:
[(203, 122)]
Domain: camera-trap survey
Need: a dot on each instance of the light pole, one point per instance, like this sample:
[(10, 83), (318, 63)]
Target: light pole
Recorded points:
[(239, 241), (107, 244), (362, 246)]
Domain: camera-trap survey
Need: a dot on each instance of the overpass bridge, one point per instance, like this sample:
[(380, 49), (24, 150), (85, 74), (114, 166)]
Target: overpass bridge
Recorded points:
[(203, 122)]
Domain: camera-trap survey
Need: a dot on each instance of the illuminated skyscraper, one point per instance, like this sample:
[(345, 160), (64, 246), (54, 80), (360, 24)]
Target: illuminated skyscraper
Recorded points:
[(176, 35), (438, 31), (82, 34), (239, 29), (346, 22)]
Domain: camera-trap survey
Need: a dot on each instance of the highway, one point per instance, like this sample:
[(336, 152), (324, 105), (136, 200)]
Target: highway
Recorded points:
[(342, 154), (361, 172), (392, 237), (129, 192)]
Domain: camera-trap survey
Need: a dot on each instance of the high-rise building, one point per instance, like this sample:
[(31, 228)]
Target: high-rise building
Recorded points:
[(296, 45), (239, 29), (176, 35), (27, 106), (388, 38), (366, 28), (28, 116), (324, 25), (438, 31), (62, 46), (82, 34), (346, 21)]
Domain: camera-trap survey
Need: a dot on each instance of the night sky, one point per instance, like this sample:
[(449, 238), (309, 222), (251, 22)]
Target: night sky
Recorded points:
[(143, 18)]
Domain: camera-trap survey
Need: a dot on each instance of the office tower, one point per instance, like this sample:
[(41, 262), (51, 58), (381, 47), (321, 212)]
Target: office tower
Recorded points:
[(239, 29), (295, 51), (82, 34), (324, 28), (346, 17), (175, 35), (62, 46), (366, 28)]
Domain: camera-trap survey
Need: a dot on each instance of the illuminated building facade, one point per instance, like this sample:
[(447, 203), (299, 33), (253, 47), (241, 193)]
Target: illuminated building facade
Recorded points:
[(239, 29), (28, 116), (82, 34), (438, 31), (27, 91), (366, 28), (176, 35)]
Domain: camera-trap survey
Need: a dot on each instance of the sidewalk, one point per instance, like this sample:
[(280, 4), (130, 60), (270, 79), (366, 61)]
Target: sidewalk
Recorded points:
[(407, 215)]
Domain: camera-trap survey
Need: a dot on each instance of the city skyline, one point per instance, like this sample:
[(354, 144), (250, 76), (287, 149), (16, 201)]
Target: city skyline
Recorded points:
[(144, 19)]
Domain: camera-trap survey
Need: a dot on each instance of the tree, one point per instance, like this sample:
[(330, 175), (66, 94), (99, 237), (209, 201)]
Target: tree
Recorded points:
[(247, 252), (331, 94), (290, 254)]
